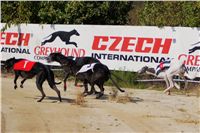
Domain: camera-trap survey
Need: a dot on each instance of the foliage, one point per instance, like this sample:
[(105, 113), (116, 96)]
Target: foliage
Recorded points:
[(65, 12), (151, 13), (170, 13), (15, 12)]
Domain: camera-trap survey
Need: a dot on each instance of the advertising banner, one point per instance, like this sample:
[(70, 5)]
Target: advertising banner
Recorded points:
[(126, 48)]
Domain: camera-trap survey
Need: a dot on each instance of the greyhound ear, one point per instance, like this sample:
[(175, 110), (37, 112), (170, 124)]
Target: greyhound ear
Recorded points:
[(58, 52), (145, 66)]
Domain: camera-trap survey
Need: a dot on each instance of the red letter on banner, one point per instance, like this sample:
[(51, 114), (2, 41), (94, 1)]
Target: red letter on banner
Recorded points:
[(165, 47), (96, 43)]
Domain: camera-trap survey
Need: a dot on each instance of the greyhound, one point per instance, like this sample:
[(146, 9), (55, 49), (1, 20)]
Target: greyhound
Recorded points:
[(195, 47), (41, 71), (63, 35), (68, 68), (175, 68), (97, 74)]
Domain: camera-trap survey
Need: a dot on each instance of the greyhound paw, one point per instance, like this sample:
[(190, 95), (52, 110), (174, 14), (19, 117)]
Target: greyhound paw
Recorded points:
[(42, 43), (96, 92), (85, 94), (21, 86), (90, 92), (167, 91), (99, 96), (15, 87), (59, 102)]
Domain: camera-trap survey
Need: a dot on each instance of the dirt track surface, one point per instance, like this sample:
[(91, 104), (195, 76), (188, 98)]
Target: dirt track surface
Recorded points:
[(147, 112)]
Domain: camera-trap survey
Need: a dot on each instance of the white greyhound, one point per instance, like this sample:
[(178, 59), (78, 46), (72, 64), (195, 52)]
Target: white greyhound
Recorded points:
[(175, 68)]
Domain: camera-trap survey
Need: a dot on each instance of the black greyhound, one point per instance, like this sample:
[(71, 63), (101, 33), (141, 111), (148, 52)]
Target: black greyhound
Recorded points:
[(195, 47), (97, 75), (63, 35), (69, 68), (41, 71)]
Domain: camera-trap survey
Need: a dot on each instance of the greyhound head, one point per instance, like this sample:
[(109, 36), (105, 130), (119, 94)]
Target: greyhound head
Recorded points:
[(8, 64), (75, 32), (143, 70), (54, 57), (51, 57), (60, 58)]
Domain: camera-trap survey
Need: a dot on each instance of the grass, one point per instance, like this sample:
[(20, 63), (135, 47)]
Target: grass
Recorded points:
[(129, 80)]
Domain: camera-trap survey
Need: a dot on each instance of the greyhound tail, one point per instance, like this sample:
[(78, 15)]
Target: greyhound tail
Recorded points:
[(196, 43), (117, 77), (57, 83), (116, 85), (47, 36)]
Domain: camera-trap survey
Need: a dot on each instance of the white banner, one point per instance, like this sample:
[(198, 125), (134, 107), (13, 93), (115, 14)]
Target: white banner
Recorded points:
[(126, 48)]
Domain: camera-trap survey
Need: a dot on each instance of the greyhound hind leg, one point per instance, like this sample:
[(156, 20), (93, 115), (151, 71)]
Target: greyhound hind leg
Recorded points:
[(177, 86), (167, 83), (57, 91), (51, 82), (39, 81), (186, 84), (101, 93), (53, 37)]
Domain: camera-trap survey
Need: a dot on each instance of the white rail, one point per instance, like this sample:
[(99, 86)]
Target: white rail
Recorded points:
[(157, 80)]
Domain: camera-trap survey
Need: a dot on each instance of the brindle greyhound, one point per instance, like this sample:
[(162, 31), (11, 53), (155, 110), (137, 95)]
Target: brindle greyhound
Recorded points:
[(71, 69), (41, 71), (97, 75)]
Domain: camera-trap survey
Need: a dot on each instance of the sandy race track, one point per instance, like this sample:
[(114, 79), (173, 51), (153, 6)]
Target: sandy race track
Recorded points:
[(148, 111)]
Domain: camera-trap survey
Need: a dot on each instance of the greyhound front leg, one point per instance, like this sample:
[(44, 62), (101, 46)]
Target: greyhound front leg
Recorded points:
[(65, 81), (92, 89), (167, 83), (73, 43), (22, 82), (76, 82), (85, 83), (15, 80), (171, 84)]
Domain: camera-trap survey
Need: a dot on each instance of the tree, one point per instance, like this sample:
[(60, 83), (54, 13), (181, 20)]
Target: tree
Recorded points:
[(65, 12), (170, 14)]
